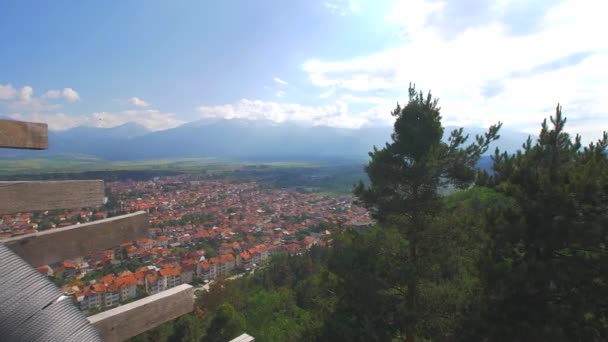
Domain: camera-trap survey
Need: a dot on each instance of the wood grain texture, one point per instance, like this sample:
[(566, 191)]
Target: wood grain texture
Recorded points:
[(55, 245), (141, 315), (26, 135), (48, 195)]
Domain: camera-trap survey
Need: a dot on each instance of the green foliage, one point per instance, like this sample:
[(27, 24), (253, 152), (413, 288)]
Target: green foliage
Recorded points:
[(404, 197), (521, 256), (263, 306), (323, 226), (225, 325), (162, 333), (370, 296), (274, 316), (548, 260), (188, 328), (406, 174), (133, 264), (210, 247)]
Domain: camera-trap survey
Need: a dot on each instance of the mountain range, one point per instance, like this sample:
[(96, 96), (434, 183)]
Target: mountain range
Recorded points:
[(238, 139)]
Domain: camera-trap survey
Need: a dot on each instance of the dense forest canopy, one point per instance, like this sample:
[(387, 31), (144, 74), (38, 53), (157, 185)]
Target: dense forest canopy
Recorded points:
[(519, 254)]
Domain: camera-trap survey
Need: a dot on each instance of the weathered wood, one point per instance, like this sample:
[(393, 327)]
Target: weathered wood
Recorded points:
[(139, 316), (48, 195), (243, 338), (27, 135), (54, 245)]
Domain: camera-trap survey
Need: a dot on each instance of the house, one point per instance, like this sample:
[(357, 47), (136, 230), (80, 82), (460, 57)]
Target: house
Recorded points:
[(153, 283), (100, 215), (187, 274), (111, 296), (308, 242), (246, 261), (69, 269), (228, 263), (97, 296), (127, 285), (170, 276), (188, 268), (45, 270), (163, 241), (91, 297), (145, 243), (206, 270)]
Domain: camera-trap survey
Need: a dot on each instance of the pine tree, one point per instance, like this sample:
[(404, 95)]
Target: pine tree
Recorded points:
[(548, 278), (405, 178)]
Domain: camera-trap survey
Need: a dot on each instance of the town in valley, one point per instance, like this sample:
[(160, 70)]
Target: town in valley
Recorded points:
[(201, 229)]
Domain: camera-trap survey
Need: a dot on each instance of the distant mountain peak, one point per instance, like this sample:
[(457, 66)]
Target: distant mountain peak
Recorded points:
[(133, 125), (125, 131), (241, 121)]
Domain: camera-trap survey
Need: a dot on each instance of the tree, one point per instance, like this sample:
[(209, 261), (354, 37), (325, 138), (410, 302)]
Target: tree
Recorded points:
[(405, 177), (225, 325), (549, 258), (213, 299), (188, 328), (161, 333)]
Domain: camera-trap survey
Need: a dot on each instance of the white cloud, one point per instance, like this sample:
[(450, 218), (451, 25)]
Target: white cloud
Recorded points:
[(458, 68), (7, 92), (327, 94), (70, 95), (336, 115), (67, 94), (23, 100), (25, 93), (280, 94), (279, 81), (366, 99), (149, 118), (136, 101), (354, 5), (343, 7)]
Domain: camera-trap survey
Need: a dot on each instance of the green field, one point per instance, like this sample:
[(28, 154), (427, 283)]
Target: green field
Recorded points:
[(320, 177), (9, 167)]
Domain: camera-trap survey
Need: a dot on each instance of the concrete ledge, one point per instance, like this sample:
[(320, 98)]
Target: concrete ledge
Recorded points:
[(26, 135), (48, 195), (54, 245), (137, 317)]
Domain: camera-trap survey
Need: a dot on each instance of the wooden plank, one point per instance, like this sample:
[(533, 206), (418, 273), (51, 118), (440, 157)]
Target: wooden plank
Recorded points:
[(27, 135), (141, 315), (54, 245), (47, 195)]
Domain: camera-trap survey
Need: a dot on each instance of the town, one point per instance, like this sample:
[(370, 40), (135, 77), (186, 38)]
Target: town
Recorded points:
[(200, 230)]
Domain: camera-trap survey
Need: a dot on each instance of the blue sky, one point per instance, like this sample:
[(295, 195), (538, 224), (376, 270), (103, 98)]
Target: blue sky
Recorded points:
[(330, 62)]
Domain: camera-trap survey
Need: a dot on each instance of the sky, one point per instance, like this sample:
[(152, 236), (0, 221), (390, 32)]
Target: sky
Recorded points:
[(341, 63)]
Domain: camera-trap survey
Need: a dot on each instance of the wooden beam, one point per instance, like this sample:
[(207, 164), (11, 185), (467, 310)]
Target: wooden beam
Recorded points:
[(27, 135), (141, 315), (48, 195), (54, 245)]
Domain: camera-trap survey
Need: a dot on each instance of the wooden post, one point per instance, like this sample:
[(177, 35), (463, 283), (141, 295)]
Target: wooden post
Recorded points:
[(54, 245), (25, 135), (134, 318), (48, 195)]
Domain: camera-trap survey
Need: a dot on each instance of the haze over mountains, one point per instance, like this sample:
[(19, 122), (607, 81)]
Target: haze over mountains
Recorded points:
[(229, 138)]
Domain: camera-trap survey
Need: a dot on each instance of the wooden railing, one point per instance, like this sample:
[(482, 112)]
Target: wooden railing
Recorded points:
[(54, 245)]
